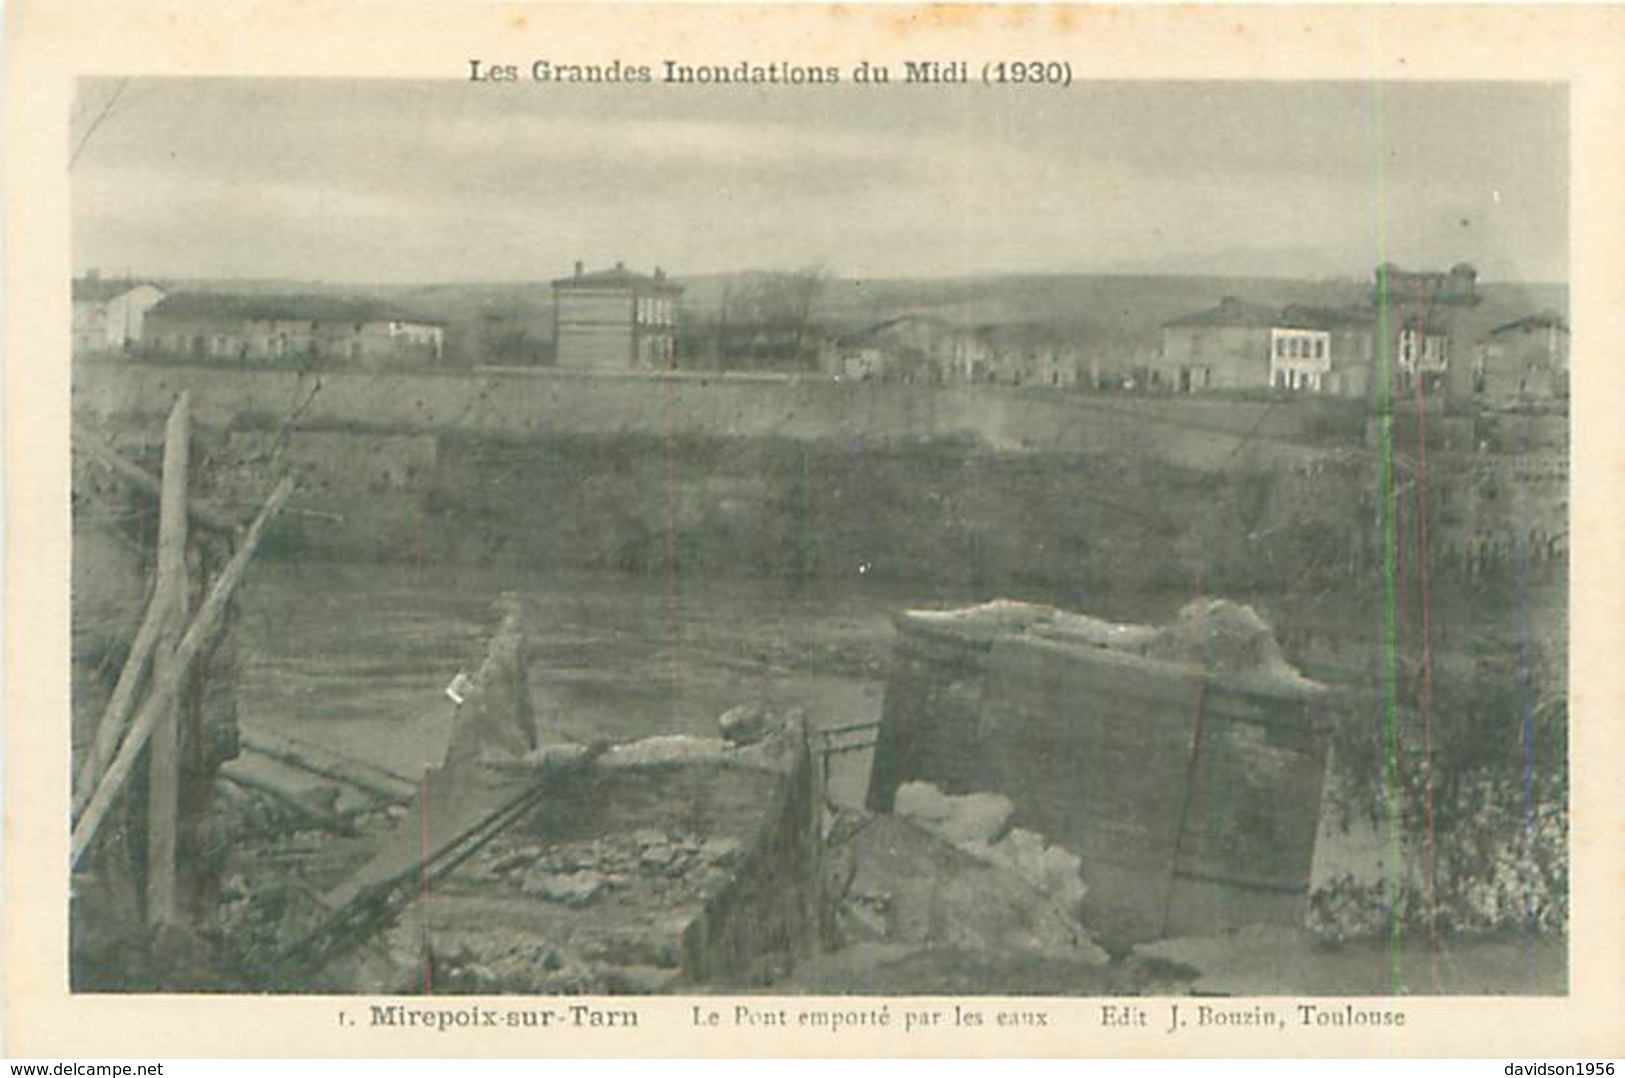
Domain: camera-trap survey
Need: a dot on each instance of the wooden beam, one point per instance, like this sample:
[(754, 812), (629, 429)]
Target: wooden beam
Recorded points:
[(369, 778), (166, 689), (117, 712), (306, 815), (164, 751)]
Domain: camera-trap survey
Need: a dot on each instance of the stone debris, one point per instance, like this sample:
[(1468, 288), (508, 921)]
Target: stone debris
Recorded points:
[(912, 886), (571, 889), (552, 756), (976, 823), (580, 873), (722, 851), (978, 818), (751, 724), (1217, 635), (667, 749), (744, 724), (527, 855), (496, 964), (1052, 869), (1223, 637)]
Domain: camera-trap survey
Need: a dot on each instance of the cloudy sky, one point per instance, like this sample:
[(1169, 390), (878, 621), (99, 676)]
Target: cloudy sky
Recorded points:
[(384, 181)]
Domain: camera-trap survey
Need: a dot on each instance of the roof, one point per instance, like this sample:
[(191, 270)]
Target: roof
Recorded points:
[(879, 332), (1230, 312), (287, 308), (1395, 286), (1304, 316), (1543, 320), (102, 289), (618, 277)]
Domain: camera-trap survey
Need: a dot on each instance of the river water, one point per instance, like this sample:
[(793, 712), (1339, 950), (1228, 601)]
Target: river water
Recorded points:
[(356, 657)]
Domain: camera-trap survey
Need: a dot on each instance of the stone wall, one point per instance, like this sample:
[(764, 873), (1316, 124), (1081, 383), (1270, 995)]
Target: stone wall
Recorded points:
[(1190, 790), (1195, 433), (774, 910), (982, 486)]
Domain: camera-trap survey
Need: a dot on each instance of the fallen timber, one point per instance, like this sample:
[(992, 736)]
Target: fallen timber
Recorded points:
[(167, 686), (380, 784), (168, 603), (306, 815)]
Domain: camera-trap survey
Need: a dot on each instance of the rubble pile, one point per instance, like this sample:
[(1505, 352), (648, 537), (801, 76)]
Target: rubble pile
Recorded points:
[(908, 886), (1218, 635), (978, 823), (1223, 637), (579, 874), (606, 914)]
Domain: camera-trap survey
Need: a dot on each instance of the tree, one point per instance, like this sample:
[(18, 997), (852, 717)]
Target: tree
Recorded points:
[(767, 320)]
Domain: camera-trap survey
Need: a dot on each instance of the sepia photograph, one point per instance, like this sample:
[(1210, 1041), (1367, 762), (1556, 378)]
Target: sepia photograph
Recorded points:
[(782, 528)]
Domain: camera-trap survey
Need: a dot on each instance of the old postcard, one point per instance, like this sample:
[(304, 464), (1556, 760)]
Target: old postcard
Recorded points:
[(798, 530)]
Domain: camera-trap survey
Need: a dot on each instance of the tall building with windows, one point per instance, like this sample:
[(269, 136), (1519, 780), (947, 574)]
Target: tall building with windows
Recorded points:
[(616, 319), (1420, 319)]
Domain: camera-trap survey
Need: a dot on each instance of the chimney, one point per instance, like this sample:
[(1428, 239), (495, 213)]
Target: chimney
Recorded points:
[(580, 269), (660, 274), (620, 267)]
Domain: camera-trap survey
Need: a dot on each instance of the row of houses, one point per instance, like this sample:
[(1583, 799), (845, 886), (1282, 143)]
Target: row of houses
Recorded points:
[(930, 349), (1417, 332), (124, 317), (1420, 328), (613, 319)]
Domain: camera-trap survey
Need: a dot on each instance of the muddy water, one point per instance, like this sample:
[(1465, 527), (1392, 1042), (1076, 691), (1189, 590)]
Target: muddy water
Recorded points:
[(357, 657)]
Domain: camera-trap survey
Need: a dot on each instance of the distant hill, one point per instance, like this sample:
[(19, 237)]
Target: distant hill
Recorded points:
[(1120, 313)]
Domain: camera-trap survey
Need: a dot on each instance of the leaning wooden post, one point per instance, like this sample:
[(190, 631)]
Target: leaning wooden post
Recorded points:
[(164, 752), (111, 727), (166, 688)]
